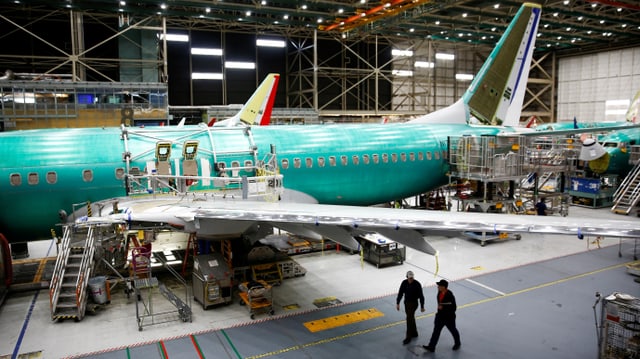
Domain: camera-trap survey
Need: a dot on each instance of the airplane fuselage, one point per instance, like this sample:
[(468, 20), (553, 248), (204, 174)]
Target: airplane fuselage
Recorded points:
[(45, 172)]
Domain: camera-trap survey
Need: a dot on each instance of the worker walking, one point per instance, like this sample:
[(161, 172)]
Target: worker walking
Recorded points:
[(411, 289), (445, 317), (541, 207)]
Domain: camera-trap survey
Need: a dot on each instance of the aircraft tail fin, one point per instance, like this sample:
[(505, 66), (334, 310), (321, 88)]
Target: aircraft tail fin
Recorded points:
[(257, 110), (633, 113), (496, 93)]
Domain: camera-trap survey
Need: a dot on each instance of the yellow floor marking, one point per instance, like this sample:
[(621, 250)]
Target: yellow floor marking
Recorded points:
[(33, 260), (427, 315), (325, 299), (477, 268), (291, 306), (41, 267), (343, 319)]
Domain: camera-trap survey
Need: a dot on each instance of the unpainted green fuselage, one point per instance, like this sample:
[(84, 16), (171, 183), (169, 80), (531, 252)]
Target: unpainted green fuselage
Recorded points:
[(46, 171)]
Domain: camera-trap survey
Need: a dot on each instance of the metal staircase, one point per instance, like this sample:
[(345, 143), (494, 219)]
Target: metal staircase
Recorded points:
[(68, 290), (627, 195)]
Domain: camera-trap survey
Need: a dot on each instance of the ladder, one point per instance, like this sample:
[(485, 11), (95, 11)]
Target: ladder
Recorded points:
[(74, 266), (627, 195)]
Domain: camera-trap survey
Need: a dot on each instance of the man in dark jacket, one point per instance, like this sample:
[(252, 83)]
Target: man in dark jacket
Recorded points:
[(411, 289), (445, 317)]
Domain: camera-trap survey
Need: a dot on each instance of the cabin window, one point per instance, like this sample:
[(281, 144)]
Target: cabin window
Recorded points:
[(429, 156), (220, 166), (297, 162), (412, 156), (403, 157), (285, 163), (52, 177), (119, 173), (15, 179), (87, 175), (420, 156), (355, 159), (134, 171), (436, 154), (343, 160), (332, 161), (320, 161), (376, 159), (385, 158), (365, 159), (248, 163), (394, 157), (309, 162), (32, 178), (235, 164)]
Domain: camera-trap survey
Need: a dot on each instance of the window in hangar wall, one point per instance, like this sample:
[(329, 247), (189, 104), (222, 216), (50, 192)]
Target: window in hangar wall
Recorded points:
[(599, 86), (236, 85)]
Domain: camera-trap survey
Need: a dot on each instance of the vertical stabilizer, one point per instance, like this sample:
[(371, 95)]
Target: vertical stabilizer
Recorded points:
[(496, 93), (257, 110), (633, 114)]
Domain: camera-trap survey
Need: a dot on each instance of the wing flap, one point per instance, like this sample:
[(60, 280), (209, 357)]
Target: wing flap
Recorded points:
[(409, 238)]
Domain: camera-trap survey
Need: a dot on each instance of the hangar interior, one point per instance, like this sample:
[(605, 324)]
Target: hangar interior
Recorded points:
[(351, 72), (340, 61)]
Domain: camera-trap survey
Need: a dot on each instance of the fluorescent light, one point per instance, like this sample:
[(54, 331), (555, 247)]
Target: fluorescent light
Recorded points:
[(206, 51), (176, 37), (442, 56), (464, 77), (270, 43), (616, 103), (396, 52), (239, 65), (424, 64), (206, 76), (614, 112), (402, 73)]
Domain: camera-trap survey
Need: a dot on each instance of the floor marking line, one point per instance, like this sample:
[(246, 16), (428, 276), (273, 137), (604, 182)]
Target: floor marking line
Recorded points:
[(423, 316), (197, 346), (163, 350), (484, 286), (544, 285), (25, 324), (235, 350)]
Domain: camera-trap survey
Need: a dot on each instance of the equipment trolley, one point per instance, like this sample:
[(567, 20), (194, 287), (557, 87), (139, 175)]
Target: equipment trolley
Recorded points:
[(619, 335), (257, 297)]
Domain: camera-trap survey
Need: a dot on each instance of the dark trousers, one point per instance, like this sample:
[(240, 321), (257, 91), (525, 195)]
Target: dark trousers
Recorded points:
[(441, 322), (410, 308)]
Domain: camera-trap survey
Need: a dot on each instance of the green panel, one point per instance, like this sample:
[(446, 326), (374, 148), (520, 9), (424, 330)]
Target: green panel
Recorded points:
[(494, 81)]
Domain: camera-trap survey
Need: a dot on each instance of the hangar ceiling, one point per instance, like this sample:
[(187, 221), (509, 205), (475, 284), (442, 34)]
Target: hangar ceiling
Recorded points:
[(566, 25)]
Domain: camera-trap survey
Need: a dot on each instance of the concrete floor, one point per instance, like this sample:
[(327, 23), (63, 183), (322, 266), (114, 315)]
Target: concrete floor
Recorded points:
[(530, 298)]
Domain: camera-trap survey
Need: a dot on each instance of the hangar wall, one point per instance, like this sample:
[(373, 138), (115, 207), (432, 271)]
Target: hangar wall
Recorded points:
[(434, 87), (586, 83)]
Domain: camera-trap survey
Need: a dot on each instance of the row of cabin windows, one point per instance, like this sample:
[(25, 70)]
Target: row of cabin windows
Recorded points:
[(364, 159), (87, 175), (33, 178)]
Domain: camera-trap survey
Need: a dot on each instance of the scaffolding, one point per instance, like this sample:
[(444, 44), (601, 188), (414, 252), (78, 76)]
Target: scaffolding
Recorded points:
[(64, 104)]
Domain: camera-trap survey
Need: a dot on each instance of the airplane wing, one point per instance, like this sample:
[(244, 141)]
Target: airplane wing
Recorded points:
[(602, 127), (210, 216)]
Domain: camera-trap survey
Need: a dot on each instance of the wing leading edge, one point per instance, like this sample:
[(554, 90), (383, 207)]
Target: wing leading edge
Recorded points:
[(213, 217)]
